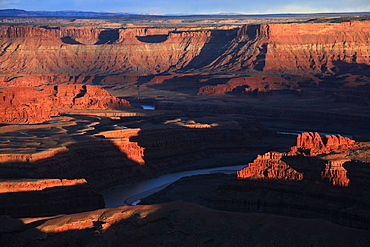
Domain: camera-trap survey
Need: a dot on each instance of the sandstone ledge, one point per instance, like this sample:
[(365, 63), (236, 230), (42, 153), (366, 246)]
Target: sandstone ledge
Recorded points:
[(176, 223)]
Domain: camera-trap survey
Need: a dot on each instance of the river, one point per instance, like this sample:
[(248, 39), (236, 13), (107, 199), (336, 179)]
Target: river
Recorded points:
[(131, 194), (148, 107)]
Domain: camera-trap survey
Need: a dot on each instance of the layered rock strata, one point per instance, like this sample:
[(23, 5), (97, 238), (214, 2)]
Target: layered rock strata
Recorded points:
[(336, 173), (269, 166), (7, 186), (311, 143), (273, 165), (96, 51), (296, 48), (28, 106)]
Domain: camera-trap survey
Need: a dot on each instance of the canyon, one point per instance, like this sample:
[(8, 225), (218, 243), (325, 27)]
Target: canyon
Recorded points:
[(285, 48), (267, 95), (245, 59), (324, 185)]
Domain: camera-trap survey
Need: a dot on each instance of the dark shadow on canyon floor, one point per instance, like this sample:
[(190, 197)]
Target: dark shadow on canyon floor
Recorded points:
[(51, 201), (152, 38), (14, 232), (354, 68)]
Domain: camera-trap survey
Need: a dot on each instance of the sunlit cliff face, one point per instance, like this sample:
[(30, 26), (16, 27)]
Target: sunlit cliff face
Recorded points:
[(27, 105), (274, 165), (285, 48)]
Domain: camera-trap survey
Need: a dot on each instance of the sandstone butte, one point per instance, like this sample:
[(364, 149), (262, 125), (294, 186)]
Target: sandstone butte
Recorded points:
[(272, 164), (32, 56), (28, 106)]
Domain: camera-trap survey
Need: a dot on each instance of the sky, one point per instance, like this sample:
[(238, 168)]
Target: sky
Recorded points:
[(193, 6)]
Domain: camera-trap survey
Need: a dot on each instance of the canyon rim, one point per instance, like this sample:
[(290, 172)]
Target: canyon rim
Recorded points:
[(286, 95)]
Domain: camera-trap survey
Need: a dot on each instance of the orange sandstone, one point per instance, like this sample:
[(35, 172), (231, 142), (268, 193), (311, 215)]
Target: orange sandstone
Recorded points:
[(272, 165), (27, 105)]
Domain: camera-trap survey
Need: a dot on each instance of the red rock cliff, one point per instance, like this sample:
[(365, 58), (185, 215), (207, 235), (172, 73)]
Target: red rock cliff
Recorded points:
[(311, 143), (317, 47), (26, 105), (272, 164), (269, 165), (287, 48), (95, 51)]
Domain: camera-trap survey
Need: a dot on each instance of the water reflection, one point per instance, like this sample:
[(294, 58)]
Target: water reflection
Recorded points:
[(129, 195), (148, 107)]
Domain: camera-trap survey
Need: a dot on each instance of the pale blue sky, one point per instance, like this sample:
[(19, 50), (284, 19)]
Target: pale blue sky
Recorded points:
[(193, 6)]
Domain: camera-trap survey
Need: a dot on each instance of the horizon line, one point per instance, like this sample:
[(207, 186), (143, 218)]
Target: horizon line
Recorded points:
[(195, 14)]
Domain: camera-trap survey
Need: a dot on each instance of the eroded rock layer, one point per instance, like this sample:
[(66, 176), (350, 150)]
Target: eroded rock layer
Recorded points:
[(27, 105), (92, 50), (107, 152), (273, 164), (269, 165), (299, 48), (311, 143), (7, 186)]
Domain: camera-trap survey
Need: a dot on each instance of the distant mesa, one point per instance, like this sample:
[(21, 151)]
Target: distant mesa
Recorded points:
[(20, 12)]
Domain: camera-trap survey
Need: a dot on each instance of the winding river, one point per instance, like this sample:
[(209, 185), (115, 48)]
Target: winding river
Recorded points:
[(131, 194)]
